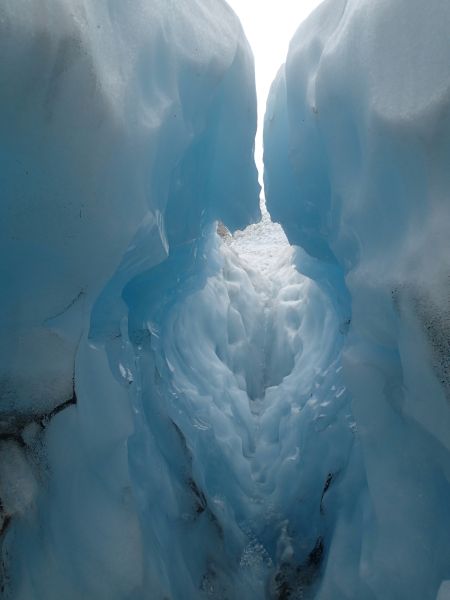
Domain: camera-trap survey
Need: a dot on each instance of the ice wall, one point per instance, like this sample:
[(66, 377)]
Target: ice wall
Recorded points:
[(357, 145), (102, 103), (126, 131)]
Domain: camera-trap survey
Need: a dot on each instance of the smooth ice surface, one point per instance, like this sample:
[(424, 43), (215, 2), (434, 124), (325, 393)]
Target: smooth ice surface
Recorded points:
[(357, 148)]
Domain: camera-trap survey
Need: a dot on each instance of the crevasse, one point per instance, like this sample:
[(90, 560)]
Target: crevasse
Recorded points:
[(189, 415)]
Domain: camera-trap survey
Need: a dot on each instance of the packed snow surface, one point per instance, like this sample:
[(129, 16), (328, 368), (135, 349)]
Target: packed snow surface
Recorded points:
[(261, 245)]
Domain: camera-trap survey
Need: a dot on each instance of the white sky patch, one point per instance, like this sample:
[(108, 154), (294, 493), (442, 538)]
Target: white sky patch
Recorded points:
[(269, 26)]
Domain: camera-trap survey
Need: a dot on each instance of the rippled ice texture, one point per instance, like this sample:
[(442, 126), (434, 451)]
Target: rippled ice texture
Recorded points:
[(242, 395)]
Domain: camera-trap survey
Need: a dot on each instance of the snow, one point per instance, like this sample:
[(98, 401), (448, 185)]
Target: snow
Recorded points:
[(261, 245)]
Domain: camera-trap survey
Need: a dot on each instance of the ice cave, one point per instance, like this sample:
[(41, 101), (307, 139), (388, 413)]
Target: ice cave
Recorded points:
[(200, 398)]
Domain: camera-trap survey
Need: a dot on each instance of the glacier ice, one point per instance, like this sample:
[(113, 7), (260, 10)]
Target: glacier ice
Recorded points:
[(105, 113), (189, 415), (126, 133), (356, 152)]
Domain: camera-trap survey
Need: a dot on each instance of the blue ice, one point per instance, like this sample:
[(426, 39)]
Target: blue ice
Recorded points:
[(193, 404)]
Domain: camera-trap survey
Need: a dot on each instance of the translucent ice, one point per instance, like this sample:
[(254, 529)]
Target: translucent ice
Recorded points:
[(126, 132), (356, 152)]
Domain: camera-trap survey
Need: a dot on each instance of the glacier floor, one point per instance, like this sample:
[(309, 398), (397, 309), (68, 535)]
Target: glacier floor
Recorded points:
[(247, 370)]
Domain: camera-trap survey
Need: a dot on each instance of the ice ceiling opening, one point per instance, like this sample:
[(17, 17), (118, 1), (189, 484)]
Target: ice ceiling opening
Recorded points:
[(269, 28)]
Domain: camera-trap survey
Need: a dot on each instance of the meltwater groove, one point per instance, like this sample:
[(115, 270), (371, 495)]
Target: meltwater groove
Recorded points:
[(252, 418)]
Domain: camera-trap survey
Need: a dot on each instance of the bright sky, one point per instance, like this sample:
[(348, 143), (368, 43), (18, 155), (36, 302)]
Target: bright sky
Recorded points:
[(269, 26)]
